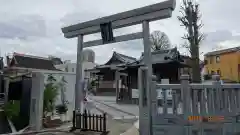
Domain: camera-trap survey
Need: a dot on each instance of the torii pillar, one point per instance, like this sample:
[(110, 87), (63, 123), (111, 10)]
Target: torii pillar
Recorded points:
[(105, 25)]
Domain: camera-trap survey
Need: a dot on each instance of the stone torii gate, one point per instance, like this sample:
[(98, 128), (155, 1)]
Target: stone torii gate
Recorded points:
[(105, 25)]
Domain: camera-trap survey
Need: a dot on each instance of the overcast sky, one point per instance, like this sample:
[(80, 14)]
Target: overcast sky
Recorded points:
[(34, 26)]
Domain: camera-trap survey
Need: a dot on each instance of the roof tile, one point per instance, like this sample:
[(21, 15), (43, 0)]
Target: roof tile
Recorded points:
[(27, 61)]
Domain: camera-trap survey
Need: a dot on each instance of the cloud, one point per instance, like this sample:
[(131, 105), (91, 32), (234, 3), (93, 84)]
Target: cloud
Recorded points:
[(78, 17), (34, 27), (23, 27), (220, 39)]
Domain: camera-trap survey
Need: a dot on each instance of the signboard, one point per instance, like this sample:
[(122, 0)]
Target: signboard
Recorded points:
[(160, 94), (135, 93)]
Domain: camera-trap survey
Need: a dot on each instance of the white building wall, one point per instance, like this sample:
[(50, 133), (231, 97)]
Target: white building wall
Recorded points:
[(70, 77), (203, 72), (71, 67), (69, 93)]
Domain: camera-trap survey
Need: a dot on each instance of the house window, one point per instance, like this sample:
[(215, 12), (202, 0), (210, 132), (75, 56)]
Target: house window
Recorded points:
[(72, 69), (219, 72), (212, 72), (66, 69), (205, 62), (217, 59), (211, 60)]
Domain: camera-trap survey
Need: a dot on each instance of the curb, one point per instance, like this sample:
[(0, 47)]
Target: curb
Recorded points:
[(125, 117)]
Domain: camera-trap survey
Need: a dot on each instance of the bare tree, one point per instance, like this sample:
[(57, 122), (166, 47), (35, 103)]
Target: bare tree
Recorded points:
[(159, 41), (191, 20)]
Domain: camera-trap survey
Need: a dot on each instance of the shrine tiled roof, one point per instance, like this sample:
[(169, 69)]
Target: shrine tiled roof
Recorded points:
[(118, 58), (31, 62), (158, 57), (125, 58)]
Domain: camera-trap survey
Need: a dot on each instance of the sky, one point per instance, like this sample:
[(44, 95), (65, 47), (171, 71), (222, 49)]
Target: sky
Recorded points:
[(34, 26)]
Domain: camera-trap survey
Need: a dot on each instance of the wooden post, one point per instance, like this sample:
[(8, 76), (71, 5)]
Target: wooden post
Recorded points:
[(6, 88), (74, 121), (97, 120), (117, 77), (104, 122), (94, 121), (85, 125), (101, 124)]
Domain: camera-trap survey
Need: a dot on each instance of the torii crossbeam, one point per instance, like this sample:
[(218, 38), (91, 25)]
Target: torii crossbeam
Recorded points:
[(105, 25)]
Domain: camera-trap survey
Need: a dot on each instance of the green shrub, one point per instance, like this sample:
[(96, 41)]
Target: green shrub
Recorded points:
[(50, 95), (12, 109), (93, 83), (207, 77)]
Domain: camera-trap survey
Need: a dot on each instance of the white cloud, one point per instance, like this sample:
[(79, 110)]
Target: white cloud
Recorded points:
[(34, 27)]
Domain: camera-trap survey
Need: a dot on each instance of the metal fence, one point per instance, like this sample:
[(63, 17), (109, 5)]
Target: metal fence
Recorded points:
[(90, 122)]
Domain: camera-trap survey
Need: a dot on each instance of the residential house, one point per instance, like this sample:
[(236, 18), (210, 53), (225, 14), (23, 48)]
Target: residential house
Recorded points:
[(225, 62)]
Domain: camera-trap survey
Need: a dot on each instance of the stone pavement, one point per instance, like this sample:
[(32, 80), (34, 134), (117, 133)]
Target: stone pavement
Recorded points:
[(116, 127), (113, 112), (111, 102)]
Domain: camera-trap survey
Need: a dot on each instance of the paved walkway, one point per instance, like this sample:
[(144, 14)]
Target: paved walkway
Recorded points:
[(111, 102), (116, 127)]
